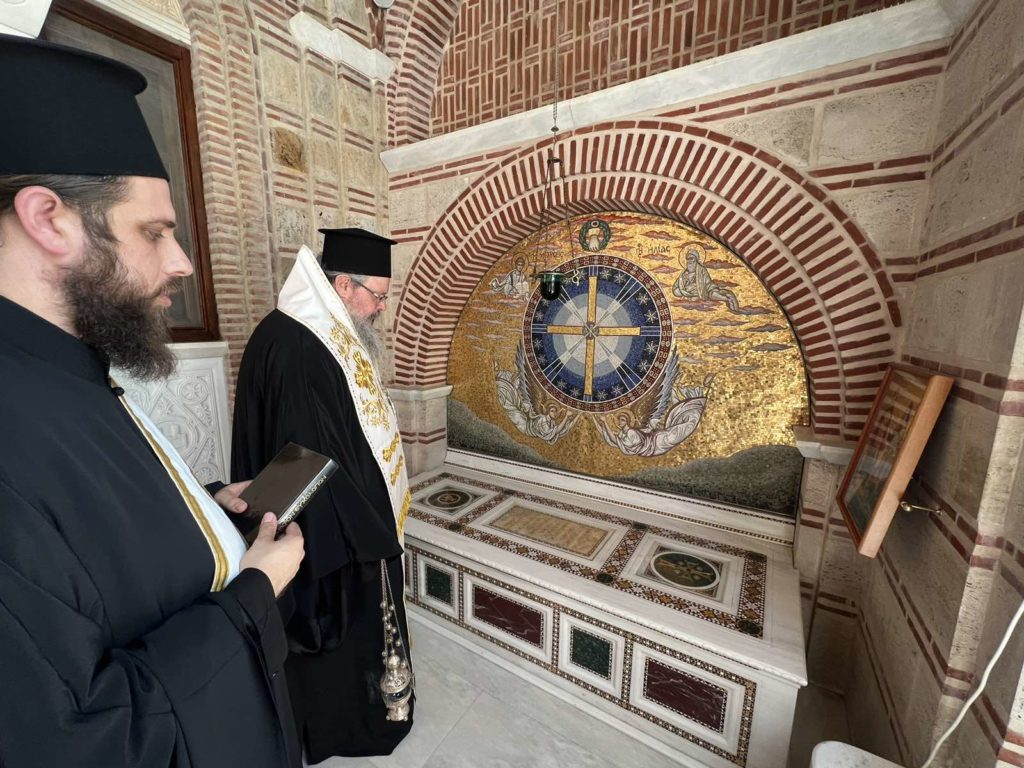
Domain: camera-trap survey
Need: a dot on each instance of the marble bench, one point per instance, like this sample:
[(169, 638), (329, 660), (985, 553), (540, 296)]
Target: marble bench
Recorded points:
[(676, 621)]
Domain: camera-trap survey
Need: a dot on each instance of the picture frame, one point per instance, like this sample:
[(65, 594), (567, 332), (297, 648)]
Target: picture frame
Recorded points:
[(168, 106), (902, 417)]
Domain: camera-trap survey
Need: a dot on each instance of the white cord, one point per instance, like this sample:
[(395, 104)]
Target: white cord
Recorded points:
[(979, 689)]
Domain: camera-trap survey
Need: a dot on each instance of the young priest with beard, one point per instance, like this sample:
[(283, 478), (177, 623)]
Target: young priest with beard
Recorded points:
[(135, 628), (311, 375)]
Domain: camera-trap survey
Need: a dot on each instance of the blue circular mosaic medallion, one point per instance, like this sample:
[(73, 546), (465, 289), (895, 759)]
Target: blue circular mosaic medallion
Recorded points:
[(685, 570), (604, 342)]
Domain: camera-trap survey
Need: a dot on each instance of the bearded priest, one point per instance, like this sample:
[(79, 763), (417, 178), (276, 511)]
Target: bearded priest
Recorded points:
[(135, 628), (311, 374)]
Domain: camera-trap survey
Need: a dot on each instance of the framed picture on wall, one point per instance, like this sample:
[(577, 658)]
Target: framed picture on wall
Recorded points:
[(901, 419), (168, 106)]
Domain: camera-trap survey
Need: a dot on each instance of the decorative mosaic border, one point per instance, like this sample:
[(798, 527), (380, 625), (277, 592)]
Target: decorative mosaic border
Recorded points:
[(749, 616), (552, 664)]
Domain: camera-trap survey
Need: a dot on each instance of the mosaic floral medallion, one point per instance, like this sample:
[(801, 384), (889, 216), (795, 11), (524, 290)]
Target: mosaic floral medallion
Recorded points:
[(449, 499), (685, 570), (605, 341)]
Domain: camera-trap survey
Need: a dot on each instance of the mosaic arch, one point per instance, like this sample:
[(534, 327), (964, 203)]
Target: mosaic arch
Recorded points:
[(663, 348), (814, 261)]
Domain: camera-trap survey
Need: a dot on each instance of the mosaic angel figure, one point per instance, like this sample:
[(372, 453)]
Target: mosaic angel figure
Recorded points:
[(660, 420), (526, 405)]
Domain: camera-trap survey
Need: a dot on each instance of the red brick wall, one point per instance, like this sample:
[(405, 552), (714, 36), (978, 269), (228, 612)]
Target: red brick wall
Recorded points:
[(499, 56), (288, 143)]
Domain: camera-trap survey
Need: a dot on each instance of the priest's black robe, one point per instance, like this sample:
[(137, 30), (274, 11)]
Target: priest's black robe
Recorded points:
[(113, 650), (291, 389)]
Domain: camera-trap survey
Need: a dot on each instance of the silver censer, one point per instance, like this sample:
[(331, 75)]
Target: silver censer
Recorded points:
[(396, 684)]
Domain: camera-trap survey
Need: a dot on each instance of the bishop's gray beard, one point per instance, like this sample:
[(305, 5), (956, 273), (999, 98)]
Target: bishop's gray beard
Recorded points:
[(372, 340), (112, 315)]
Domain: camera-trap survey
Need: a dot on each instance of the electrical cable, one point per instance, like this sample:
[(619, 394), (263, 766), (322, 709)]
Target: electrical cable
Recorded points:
[(981, 686)]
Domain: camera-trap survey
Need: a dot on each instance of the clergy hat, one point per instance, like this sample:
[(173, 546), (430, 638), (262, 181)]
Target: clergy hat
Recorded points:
[(357, 252), (70, 113)]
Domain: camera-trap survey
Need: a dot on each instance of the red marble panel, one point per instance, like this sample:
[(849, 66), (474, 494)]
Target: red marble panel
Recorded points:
[(692, 697), (511, 616)]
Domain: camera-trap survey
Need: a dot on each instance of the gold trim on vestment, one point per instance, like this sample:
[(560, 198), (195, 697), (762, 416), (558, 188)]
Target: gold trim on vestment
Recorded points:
[(220, 559)]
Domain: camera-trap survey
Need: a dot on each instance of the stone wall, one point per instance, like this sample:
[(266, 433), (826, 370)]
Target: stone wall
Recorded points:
[(289, 142), (938, 598)]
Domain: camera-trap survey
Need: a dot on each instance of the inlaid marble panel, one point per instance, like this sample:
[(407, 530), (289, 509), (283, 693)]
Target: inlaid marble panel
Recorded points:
[(590, 652), (688, 696), (685, 694), (553, 530), (735, 600), (447, 498), (511, 616)]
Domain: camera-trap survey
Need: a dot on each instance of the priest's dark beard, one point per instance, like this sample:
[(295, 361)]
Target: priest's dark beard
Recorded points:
[(112, 315), (372, 340)]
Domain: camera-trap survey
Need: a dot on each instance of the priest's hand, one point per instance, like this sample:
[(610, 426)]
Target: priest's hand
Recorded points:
[(227, 497), (278, 559)]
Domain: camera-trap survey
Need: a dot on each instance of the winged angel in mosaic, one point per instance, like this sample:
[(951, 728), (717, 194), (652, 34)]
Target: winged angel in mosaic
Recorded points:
[(662, 419), (526, 405)]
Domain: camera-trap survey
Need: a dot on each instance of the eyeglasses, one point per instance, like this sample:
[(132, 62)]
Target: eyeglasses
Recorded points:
[(382, 298)]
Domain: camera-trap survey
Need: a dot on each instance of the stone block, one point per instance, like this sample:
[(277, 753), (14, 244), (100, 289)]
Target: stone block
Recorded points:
[(356, 108), (408, 207), (865, 711), (1002, 31), (1005, 310), (317, 7), (326, 160), (353, 11), (983, 183), (783, 132), (972, 469), (842, 569), (360, 168), (941, 456), (441, 194), (291, 225), (323, 100), (281, 82), (819, 483), (930, 570), (877, 124), (829, 649), (807, 546), (890, 216), (289, 149), (402, 256)]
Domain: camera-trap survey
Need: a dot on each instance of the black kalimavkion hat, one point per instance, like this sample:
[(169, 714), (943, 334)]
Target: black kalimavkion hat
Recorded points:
[(357, 251), (71, 112)]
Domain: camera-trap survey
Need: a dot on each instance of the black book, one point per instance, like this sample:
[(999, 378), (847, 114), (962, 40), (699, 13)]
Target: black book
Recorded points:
[(283, 487)]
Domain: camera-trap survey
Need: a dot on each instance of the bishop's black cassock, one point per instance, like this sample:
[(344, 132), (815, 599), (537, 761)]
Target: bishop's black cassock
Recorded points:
[(113, 650), (290, 389)]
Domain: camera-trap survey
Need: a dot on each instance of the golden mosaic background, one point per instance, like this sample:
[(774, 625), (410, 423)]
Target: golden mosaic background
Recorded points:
[(759, 390)]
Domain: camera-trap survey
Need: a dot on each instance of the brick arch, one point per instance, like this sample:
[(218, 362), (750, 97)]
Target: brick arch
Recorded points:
[(811, 257), (415, 35)]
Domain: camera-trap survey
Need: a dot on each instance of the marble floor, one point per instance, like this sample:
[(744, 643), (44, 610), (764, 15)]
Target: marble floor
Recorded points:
[(474, 713)]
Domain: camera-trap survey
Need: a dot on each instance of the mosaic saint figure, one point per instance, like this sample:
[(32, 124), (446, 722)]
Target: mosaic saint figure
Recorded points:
[(520, 396), (515, 283), (695, 282)]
